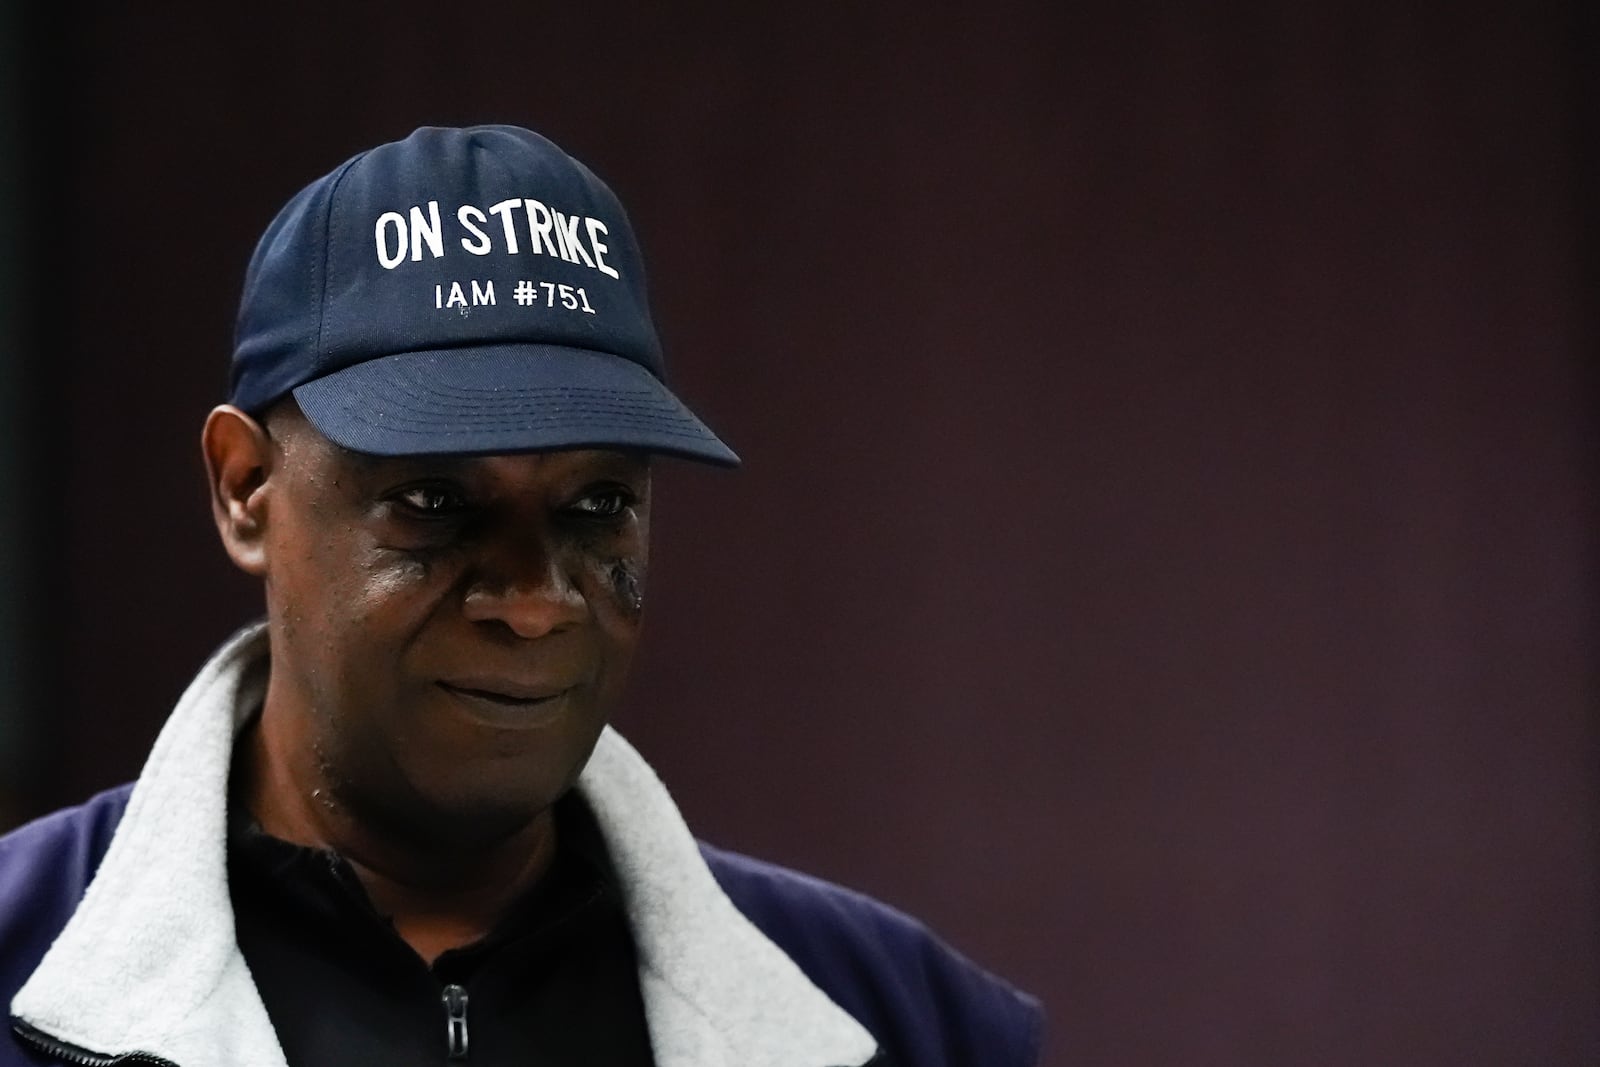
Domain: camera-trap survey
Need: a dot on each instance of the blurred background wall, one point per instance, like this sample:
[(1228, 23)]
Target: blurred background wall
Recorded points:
[(1165, 553)]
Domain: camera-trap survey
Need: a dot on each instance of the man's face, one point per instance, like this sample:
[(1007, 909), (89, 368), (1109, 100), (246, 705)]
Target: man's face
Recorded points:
[(452, 633)]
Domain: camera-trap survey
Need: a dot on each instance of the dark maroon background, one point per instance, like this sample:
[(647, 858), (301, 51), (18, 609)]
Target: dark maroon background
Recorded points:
[(1164, 558)]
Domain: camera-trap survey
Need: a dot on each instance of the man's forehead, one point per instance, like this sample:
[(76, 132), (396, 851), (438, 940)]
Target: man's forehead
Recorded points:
[(565, 458)]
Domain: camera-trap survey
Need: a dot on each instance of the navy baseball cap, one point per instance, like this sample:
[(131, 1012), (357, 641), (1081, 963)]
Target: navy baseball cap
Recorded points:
[(463, 291)]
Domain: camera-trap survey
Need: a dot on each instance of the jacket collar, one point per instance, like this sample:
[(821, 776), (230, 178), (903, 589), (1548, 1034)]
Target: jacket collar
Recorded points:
[(149, 963)]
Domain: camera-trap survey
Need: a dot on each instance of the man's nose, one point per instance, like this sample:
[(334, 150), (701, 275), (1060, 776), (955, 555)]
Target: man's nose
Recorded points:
[(526, 588)]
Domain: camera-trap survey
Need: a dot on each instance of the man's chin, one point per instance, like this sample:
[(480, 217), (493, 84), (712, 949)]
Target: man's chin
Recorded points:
[(459, 820)]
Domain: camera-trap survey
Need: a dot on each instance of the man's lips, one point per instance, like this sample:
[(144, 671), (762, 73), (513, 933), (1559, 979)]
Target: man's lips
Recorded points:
[(509, 692), (508, 703)]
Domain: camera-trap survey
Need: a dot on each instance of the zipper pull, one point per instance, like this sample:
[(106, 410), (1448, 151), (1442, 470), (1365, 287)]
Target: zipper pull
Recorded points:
[(455, 1011)]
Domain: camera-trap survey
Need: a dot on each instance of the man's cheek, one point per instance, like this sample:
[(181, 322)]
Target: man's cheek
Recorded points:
[(623, 580), (382, 582)]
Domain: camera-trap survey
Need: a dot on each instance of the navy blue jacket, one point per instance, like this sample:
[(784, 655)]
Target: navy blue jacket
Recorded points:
[(925, 1004)]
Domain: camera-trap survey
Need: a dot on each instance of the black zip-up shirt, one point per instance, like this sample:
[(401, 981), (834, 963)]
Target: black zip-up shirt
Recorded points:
[(555, 983)]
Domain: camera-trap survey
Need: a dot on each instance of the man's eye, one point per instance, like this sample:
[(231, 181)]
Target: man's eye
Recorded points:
[(607, 504), (430, 500)]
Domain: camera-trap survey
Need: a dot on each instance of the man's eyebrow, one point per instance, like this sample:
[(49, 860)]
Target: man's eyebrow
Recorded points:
[(626, 456)]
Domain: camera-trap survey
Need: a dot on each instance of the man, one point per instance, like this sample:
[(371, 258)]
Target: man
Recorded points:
[(390, 824)]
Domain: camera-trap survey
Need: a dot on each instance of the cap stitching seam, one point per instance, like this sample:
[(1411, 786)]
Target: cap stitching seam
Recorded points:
[(399, 404), (515, 424), (511, 393), (318, 351)]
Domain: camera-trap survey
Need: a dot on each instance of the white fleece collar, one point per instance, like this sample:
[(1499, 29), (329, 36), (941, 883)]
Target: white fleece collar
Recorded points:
[(149, 961)]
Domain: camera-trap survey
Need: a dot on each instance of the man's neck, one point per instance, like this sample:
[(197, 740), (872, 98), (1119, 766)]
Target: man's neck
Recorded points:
[(437, 899)]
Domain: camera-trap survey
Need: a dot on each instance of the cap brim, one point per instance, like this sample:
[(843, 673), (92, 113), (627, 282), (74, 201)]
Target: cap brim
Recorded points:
[(506, 398)]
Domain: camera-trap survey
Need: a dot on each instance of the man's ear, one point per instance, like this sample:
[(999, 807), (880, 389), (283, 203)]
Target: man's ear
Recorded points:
[(239, 456)]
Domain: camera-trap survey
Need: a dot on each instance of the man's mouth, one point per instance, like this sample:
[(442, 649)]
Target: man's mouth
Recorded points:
[(505, 693)]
